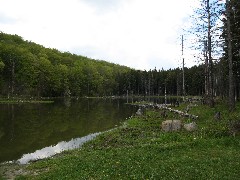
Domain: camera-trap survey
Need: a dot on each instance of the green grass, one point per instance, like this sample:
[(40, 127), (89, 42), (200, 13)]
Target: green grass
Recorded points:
[(140, 150)]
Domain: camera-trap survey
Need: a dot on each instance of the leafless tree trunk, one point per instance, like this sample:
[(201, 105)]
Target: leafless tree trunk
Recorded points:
[(183, 84), (206, 69), (209, 62)]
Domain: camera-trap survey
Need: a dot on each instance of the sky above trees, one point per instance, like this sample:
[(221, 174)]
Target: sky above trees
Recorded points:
[(142, 34)]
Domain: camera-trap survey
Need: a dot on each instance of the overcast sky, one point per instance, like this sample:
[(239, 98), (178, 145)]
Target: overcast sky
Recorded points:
[(142, 34)]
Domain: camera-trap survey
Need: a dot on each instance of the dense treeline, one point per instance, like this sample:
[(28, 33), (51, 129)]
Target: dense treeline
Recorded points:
[(234, 20), (30, 69)]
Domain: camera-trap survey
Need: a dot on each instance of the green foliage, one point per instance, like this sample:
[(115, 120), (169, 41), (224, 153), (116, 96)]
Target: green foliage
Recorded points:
[(1, 65), (30, 69)]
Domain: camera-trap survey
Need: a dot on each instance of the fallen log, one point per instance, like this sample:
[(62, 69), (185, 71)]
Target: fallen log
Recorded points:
[(166, 107)]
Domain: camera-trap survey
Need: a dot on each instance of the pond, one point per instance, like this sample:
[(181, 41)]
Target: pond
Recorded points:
[(32, 131)]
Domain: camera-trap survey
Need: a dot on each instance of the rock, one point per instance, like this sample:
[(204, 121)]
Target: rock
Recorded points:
[(234, 128), (193, 117), (217, 116), (176, 104), (171, 125), (139, 112), (191, 126), (187, 109)]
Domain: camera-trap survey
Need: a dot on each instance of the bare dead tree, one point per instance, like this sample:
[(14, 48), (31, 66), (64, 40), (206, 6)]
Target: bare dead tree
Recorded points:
[(206, 31)]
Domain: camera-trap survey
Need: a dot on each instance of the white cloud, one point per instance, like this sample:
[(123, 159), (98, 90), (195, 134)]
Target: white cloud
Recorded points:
[(142, 34)]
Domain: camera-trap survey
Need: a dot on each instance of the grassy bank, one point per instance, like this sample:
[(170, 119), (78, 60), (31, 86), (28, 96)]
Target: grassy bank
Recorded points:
[(140, 150), (23, 101)]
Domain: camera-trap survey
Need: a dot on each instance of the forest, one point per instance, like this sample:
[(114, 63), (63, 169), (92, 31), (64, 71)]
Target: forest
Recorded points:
[(30, 70)]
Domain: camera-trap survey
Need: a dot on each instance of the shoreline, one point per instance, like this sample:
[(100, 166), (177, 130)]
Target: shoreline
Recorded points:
[(140, 149)]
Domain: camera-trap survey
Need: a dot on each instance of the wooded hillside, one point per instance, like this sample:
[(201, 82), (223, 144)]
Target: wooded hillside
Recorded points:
[(29, 69)]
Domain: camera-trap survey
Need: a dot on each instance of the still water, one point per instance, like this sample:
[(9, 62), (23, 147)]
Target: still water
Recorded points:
[(30, 130)]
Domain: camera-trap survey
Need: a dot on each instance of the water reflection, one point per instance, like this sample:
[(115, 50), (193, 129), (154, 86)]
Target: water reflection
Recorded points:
[(53, 150), (67, 102), (25, 128)]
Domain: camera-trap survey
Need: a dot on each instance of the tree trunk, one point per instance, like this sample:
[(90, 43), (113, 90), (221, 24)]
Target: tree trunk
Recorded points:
[(230, 62), (206, 68), (209, 64)]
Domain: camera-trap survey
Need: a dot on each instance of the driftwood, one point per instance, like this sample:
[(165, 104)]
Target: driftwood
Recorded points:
[(166, 107), (181, 113)]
